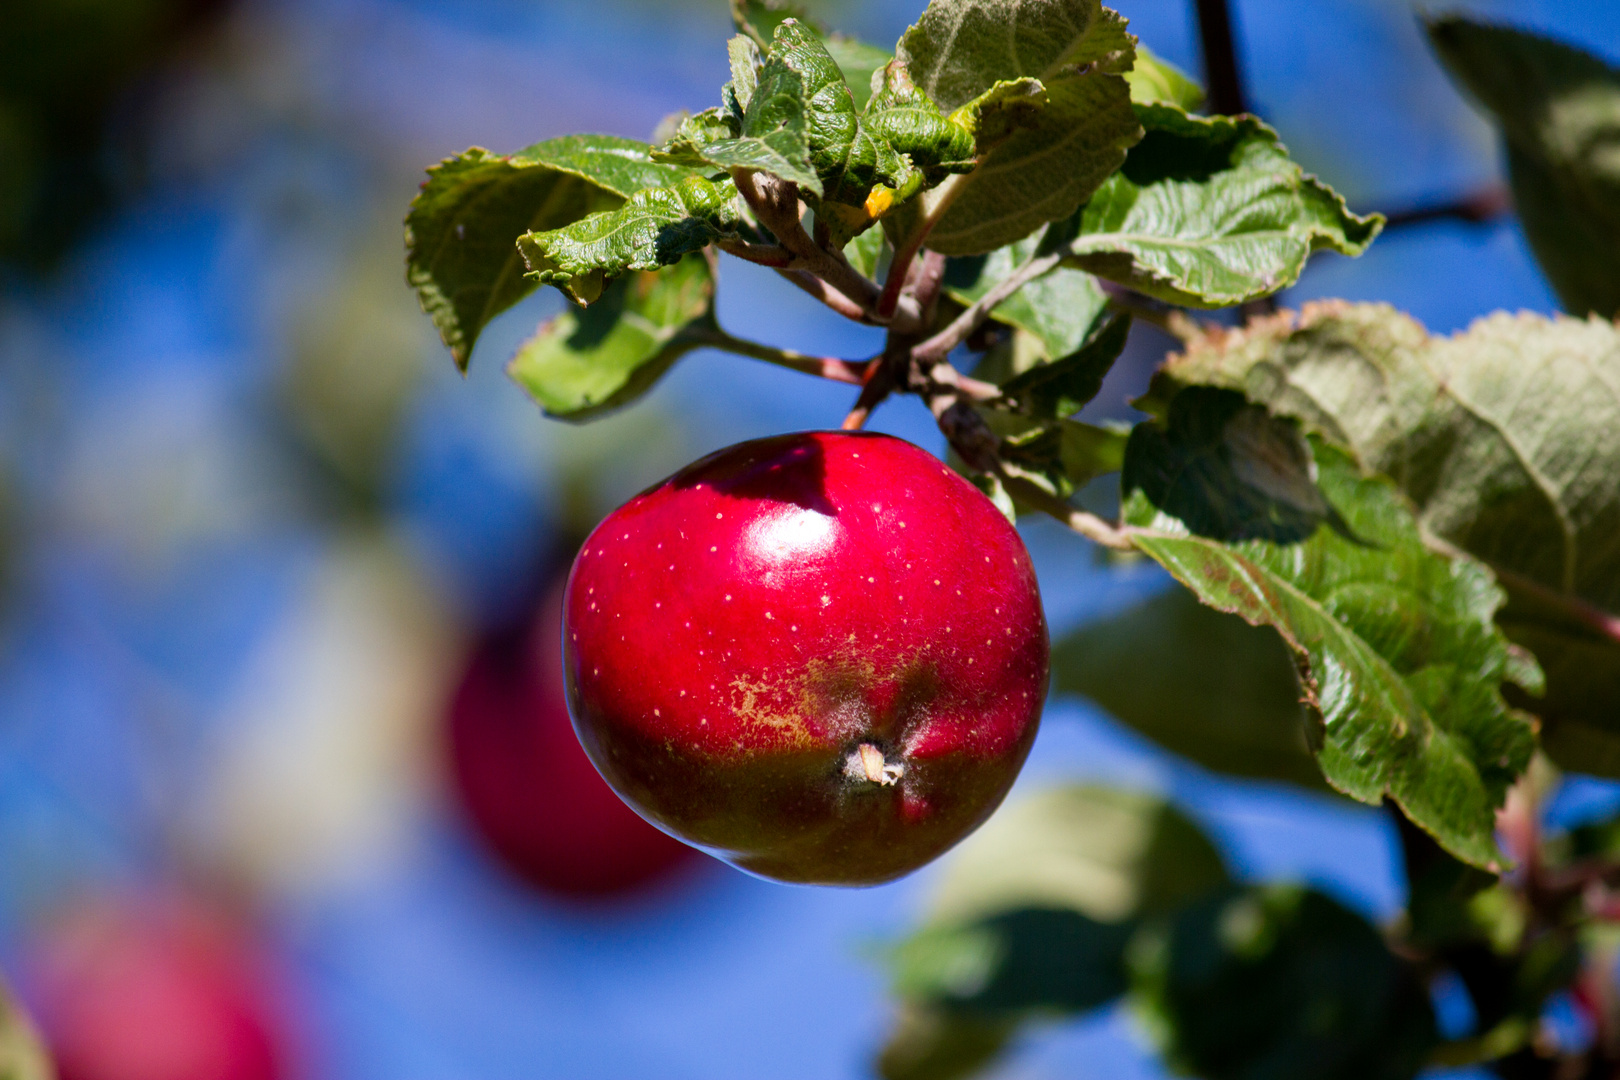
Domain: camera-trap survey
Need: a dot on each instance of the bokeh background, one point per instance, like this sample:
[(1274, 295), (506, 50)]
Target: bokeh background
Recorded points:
[(253, 518)]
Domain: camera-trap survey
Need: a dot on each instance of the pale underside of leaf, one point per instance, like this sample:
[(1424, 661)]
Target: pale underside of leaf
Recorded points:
[(1503, 436)]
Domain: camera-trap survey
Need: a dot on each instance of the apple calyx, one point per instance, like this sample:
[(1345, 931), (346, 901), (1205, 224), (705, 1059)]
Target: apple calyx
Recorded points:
[(867, 762)]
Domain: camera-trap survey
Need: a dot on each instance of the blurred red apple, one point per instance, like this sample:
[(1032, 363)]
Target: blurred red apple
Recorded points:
[(148, 990), (526, 783), (822, 656)]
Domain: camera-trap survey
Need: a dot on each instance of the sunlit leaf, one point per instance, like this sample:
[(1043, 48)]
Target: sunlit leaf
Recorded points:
[(461, 234), (1400, 663), (586, 362), (1210, 212), (1156, 80), (1559, 111), (1504, 438), (1078, 50), (655, 227)]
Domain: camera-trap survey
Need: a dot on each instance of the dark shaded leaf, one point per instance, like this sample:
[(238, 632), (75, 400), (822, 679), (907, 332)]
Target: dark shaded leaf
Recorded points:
[(1064, 387), (1227, 469), (1397, 652), (1034, 916), (1199, 682), (1559, 112), (461, 233), (1277, 983)]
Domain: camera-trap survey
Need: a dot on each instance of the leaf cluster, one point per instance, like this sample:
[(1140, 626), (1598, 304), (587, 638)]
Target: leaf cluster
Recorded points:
[(1396, 556)]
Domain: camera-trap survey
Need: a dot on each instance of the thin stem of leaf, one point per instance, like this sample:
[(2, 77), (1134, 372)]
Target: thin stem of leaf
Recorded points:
[(825, 367), (828, 295), (874, 388), (1087, 524), (943, 374), (1172, 320), (940, 345), (775, 203)]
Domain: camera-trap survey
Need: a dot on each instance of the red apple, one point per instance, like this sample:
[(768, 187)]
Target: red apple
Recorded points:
[(526, 783), (821, 657), (149, 990)]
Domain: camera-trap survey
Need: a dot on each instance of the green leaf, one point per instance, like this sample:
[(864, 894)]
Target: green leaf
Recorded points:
[(906, 119), (1060, 456), (1278, 983), (859, 62), (1503, 437), (1110, 855), (1398, 658), (1032, 958), (656, 227), (584, 363), (1559, 111), (1035, 914), (931, 1044), (865, 252), (461, 231), (1199, 682), (1209, 212), (1078, 50), (759, 18), (774, 131), (1064, 387), (22, 1055), (1155, 80), (1061, 308)]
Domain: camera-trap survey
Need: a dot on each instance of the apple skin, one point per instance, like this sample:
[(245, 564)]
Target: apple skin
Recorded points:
[(528, 787), (821, 657), (154, 990)]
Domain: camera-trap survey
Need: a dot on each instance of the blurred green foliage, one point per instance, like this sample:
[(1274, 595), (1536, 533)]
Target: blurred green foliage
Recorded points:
[(70, 75)]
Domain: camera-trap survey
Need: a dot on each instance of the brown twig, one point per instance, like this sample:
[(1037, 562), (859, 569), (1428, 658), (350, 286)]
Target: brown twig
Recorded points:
[(1087, 524), (1222, 72), (775, 203), (772, 255), (1477, 208), (825, 367), (940, 345)]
